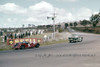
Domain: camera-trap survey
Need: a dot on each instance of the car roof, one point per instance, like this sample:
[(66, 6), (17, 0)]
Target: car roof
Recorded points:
[(75, 35)]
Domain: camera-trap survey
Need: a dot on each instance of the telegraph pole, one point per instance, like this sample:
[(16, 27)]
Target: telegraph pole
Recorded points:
[(53, 18), (54, 15)]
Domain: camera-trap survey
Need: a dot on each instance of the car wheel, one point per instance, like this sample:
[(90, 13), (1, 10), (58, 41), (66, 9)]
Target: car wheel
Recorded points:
[(70, 41), (37, 45), (81, 39), (16, 48), (22, 47)]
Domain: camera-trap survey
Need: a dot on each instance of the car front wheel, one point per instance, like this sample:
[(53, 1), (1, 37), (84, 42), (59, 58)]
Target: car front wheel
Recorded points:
[(70, 41), (37, 46)]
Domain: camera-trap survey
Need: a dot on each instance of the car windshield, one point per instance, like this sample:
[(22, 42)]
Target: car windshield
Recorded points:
[(75, 35)]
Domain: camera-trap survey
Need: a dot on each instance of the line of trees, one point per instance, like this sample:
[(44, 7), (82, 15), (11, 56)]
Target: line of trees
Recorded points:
[(94, 20), (85, 22), (71, 24)]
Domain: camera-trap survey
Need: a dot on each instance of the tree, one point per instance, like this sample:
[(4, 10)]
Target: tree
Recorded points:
[(95, 19), (44, 26), (84, 22), (71, 24), (40, 26), (75, 24), (48, 26), (59, 26), (66, 25)]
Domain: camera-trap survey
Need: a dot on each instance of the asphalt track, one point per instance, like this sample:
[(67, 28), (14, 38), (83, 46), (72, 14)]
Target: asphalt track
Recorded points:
[(81, 54)]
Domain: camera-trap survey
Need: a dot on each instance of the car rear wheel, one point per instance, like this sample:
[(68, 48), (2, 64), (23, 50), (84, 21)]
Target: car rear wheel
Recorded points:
[(22, 47), (16, 48)]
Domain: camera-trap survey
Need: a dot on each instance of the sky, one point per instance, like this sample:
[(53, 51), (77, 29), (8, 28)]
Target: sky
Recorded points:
[(15, 13)]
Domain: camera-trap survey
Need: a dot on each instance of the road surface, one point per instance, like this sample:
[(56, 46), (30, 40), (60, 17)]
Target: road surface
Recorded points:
[(82, 54)]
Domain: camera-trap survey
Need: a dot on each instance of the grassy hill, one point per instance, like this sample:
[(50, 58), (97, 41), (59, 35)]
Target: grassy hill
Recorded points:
[(88, 29)]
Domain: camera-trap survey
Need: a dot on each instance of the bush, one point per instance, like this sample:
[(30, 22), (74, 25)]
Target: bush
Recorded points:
[(60, 30), (97, 32), (90, 31)]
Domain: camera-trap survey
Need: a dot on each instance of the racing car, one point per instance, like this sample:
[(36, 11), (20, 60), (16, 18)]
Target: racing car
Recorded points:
[(75, 38), (25, 44)]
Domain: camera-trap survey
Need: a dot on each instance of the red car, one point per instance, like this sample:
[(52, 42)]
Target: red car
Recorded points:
[(24, 44)]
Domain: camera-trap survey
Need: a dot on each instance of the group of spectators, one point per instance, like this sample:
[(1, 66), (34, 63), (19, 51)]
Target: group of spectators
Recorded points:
[(14, 36)]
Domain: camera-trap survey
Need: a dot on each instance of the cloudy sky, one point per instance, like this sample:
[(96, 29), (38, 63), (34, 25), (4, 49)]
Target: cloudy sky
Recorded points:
[(14, 13)]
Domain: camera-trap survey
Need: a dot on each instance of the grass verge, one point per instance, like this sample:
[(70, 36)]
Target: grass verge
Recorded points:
[(7, 47), (53, 42)]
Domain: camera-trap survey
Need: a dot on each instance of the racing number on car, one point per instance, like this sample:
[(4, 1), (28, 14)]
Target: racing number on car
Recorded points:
[(11, 42)]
